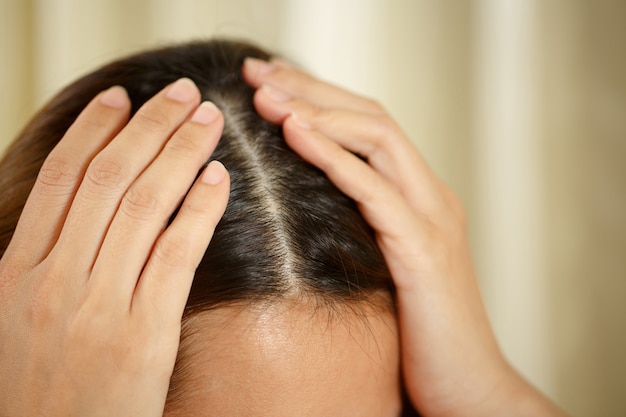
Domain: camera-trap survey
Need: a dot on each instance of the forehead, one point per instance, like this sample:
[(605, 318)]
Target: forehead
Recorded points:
[(286, 359)]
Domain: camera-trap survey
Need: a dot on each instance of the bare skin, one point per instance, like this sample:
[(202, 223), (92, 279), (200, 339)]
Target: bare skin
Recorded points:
[(451, 361), (289, 358), (85, 329), (73, 284)]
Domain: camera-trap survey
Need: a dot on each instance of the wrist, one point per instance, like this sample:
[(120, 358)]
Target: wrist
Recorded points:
[(516, 397)]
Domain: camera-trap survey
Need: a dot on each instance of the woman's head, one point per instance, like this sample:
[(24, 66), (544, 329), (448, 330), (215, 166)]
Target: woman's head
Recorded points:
[(291, 310)]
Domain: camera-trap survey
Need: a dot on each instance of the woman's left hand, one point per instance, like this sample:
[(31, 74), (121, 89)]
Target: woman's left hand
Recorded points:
[(451, 362)]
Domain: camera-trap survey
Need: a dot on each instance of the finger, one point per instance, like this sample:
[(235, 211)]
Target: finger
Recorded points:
[(382, 143), (112, 171), (399, 229), (45, 211), (275, 105), (166, 281), (150, 201), (295, 83), (376, 137)]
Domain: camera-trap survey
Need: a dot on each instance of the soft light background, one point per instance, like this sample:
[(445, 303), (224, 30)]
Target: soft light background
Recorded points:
[(520, 105)]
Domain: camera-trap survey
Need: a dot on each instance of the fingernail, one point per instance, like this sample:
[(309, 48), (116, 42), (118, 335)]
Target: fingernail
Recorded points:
[(258, 66), (214, 173), (275, 94), (303, 124), (115, 97), (205, 114), (183, 90)]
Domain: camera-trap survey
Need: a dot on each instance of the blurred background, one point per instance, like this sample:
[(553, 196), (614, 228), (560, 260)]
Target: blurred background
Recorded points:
[(520, 105)]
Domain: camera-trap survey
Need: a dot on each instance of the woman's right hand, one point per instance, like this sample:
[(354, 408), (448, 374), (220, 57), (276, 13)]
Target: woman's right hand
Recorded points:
[(93, 284), (451, 362)]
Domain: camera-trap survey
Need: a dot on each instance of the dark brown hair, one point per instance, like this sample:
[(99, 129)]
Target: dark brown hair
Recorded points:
[(286, 231)]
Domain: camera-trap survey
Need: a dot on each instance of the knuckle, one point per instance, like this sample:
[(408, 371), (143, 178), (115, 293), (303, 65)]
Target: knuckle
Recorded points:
[(373, 106), (439, 254), (287, 76), (365, 196), (152, 120), (317, 113), (94, 124), (381, 137), (172, 252), (183, 144), (195, 210), (385, 129), (43, 307), (40, 314), (125, 353), (435, 252), (302, 84), (330, 160), (90, 330), (58, 175), (451, 220), (132, 351), (141, 202), (456, 207), (106, 173)]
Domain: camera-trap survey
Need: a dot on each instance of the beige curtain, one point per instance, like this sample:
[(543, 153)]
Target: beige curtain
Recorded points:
[(520, 105)]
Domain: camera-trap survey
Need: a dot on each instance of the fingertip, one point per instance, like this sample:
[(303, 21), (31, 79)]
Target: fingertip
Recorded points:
[(183, 90), (206, 113), (257, 67), (214, 174), (115, 97)]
